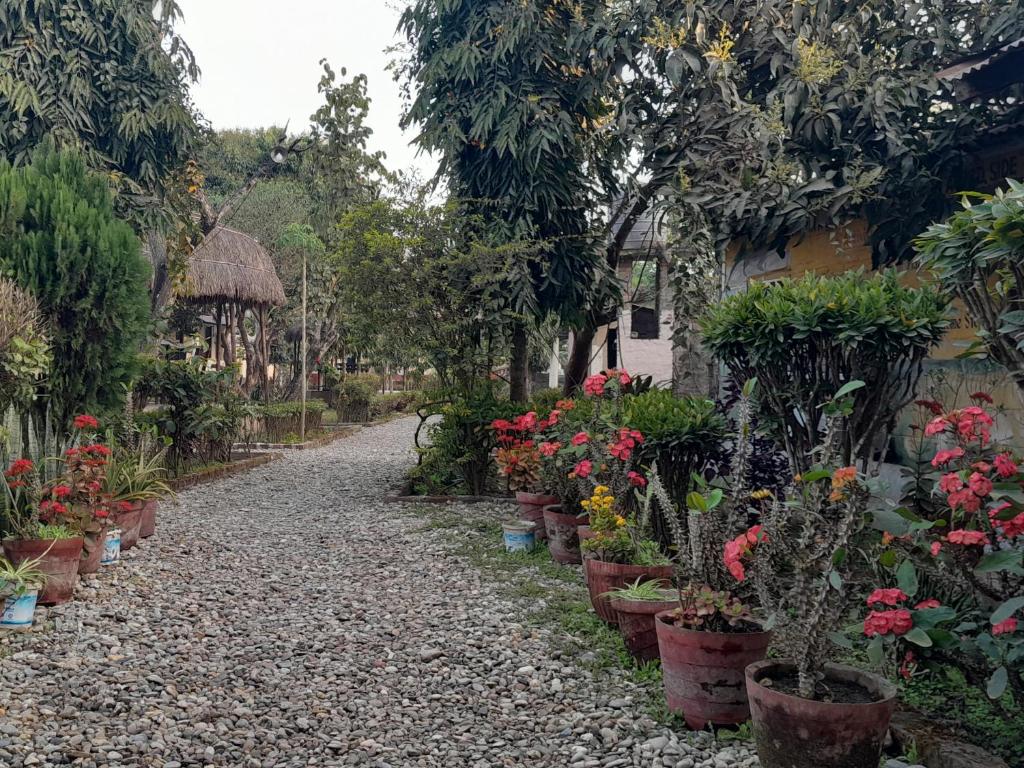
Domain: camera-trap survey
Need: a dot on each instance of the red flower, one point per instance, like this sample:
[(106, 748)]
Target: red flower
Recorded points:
[(1005, 627), (583, 469), (980, 484), (897, 622), (501, 425), (624, 379), (968, 538), (20, 467), (124, 506), (1011, 528), (966, 499), (737, 570), (984, 397), (636, 479), (935, 548), (61, 491), (85, 421), (1005, 466), (565, 405), (58, 508), (887, 597), (594, 385), (101, 512), (549, 448), (925, 604), (908, 666), (756, 535), (942, 458), (931, 405), (951, 483), (580, 438), (936, 426)]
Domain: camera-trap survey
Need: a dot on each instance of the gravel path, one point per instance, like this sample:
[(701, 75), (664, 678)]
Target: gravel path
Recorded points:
[(288, 617)]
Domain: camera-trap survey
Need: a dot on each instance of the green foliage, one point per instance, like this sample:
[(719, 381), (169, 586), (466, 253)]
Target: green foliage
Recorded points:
[(384, 405), (292, 408), (282, 421), (352, 398), (200, 412), (803, 340), (652, 591), (16, 580), (680, 435), (949, 698), (977, 255), (24, 347), (458, 458), (60, 240), (109, 78)]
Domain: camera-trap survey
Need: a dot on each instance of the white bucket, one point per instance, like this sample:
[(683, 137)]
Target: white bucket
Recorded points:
[(18, 611), (111, 547), (519, 537)]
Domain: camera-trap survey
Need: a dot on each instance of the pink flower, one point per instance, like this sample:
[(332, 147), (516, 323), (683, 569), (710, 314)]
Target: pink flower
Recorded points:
[(549, 448), (980, 484), (501, 425), (968, 538), (1005, 627), (756, 535), (925, 604), (887, 597), (936, 426), (942, 458), (950, 483), (1013, 527), (935, 548), (1005, 466), (737, 570), (594, 385), (966, 499), (583, 469), (580, 438), (897, 622), (636, 479), (625, 379)]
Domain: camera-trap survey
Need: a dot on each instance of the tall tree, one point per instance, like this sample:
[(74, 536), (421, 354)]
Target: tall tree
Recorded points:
[(61, 241), (107, 77), (504, 96)]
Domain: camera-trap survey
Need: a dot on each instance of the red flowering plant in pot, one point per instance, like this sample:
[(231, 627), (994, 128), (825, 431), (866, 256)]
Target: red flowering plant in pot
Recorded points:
[(955, 594), (518, 460), (812, 546), (709, 637)]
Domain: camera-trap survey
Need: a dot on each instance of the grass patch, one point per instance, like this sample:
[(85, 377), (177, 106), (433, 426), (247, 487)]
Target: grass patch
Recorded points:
[(555, 597)]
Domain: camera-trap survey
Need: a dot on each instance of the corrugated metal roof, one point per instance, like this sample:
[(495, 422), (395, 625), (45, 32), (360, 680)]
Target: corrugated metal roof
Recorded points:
[(978, 63)]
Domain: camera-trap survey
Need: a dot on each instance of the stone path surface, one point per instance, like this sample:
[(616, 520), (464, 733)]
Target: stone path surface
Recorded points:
[(288, 617)]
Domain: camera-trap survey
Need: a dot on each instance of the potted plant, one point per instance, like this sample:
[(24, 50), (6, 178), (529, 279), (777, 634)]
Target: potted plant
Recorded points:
[(802, 566), (19, 590), (518, 460), (622, 551), (709, 637), (40, 531), (135, 483), (83, 481), (636, 605)]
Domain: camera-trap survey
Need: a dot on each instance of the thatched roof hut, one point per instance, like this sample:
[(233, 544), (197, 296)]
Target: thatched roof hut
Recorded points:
[(233, 268)]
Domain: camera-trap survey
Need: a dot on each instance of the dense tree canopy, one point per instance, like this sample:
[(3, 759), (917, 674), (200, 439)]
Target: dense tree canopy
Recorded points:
[(109, 78)]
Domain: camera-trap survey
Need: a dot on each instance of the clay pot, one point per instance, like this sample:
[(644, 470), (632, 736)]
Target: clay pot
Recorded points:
[(703, 671), (59, 562), (92, 552), (148, 525), (130, 523), (636, 623), (563, 536), (531, 509), (792, 732), (603, 577)]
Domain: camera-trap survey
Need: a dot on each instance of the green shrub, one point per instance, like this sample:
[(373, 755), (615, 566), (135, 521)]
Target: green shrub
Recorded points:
[(382, 406), (351, 399), (279, 421), (293, 408), (543, 400), (803, 340), (680, 434), (60, 240)]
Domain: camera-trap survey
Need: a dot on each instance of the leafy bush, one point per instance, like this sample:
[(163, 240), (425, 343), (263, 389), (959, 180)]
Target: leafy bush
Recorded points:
[(384, 405), (351, 399), (545, 400), (200, 412), (804, 340), (280, 420), (977, 254), (24, 347), (680, 434), (60, 240)]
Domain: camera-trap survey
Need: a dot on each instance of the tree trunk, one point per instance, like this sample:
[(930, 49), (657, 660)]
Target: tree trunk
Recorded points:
[(517, 370), (694, 369), (578, 367)]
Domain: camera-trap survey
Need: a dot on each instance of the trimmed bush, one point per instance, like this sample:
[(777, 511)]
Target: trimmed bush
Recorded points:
[(382, 406), (351, 399), (803, 340), (279, 421)]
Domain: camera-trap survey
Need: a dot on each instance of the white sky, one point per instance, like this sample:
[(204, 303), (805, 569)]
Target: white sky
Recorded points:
[(260, 63)]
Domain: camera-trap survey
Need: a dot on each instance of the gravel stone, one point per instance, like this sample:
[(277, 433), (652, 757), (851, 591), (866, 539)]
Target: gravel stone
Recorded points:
[(288, 617)]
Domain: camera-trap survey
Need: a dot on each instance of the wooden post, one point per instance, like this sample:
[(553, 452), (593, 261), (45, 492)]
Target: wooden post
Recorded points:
[(302, 433)]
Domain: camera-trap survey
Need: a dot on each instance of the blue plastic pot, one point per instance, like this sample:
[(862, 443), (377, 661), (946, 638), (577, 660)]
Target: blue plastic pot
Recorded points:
[(111, 547), (519, 537), (18, 611)]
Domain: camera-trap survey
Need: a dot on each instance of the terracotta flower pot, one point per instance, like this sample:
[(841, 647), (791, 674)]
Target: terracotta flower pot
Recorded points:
[(130, 523), (703, 671), (148, 525), (92, 551), (792, 732), (59, 562), (563, 535), (603, 577), (531, 509), (636, 623)]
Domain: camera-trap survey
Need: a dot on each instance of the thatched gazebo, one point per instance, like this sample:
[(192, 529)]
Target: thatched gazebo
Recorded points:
[(234, 275)]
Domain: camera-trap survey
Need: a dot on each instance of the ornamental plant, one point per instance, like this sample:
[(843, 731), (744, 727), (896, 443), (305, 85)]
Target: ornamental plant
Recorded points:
[(517, 457), (805, 339), (619, 536), (809, 546), (958, 566)]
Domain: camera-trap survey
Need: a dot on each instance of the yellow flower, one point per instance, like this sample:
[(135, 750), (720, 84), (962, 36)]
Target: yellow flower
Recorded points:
[(762, 493), (601, 490), (620, 520)]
